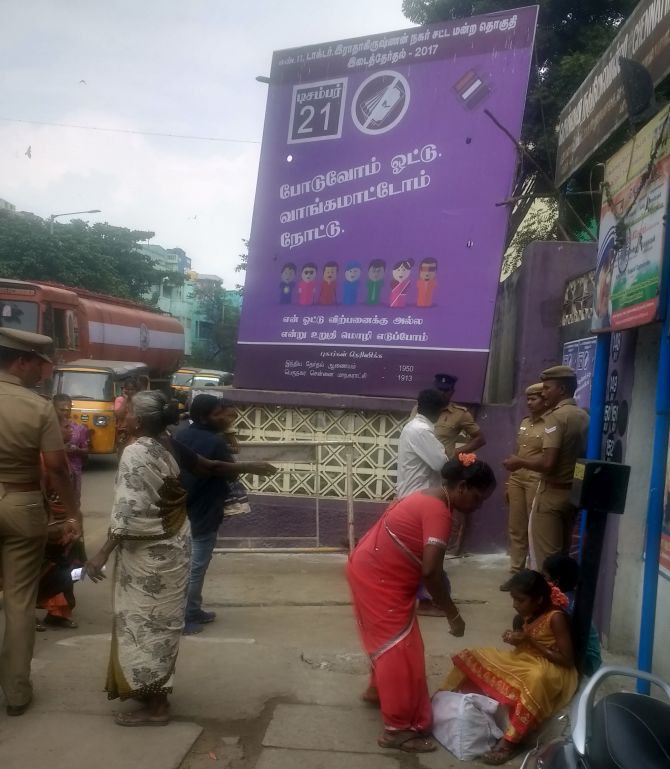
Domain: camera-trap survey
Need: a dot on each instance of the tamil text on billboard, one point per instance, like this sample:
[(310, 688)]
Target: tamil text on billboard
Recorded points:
[(377, 239), (632, 230), (599, 106)]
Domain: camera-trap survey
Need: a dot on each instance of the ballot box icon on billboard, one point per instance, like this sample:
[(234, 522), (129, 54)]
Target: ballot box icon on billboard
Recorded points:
[(471, 89), (380, 102)]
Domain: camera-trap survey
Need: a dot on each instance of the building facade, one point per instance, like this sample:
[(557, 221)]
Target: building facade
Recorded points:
[(196, 300)]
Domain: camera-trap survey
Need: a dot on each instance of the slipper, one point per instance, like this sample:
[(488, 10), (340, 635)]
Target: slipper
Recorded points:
[(131, 719), (403, 741), (499, 756), (428, 609), (370, 700), (371, 696), (63, 622)]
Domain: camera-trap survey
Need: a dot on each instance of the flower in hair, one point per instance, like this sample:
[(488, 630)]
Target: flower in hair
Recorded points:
[(467, 459), (558, 598)]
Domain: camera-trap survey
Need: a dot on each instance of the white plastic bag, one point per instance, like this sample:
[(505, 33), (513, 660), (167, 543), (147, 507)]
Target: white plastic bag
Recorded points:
[(465, 724)]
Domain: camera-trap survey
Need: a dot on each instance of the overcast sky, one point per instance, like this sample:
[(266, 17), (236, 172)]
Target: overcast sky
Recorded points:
[(153, 65)]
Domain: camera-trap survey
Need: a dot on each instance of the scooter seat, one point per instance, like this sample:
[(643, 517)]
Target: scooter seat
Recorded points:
[(630, 731)]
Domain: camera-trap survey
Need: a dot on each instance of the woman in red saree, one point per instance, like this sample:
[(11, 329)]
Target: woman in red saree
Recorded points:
[(407, 545)]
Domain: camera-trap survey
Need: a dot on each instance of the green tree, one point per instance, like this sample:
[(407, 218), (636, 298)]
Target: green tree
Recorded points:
[(571, 37), (241, 266), (220, 310), (97, 257)]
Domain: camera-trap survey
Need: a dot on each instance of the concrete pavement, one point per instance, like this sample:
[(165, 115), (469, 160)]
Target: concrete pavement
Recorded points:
[(273, 683)]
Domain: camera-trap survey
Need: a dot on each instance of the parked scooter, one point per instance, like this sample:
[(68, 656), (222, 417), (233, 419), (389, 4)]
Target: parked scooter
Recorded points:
[(624, 730)]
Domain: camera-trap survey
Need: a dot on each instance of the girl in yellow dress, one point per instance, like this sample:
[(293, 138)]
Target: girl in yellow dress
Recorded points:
[(536, 678)]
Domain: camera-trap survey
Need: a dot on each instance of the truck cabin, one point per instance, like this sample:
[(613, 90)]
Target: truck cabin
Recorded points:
[(41, 309)]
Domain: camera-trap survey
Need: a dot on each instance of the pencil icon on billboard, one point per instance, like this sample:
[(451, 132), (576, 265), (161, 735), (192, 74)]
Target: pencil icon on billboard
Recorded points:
[(380, 102), (471, 89)]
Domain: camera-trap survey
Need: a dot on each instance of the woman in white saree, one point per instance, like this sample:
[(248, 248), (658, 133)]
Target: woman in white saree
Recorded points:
[(151, 537)]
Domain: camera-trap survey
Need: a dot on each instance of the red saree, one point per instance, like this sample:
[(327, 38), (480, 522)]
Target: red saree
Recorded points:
[(384, 573)]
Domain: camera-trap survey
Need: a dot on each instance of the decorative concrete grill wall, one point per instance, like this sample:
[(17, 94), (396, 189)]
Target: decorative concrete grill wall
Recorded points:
[(375, 436)]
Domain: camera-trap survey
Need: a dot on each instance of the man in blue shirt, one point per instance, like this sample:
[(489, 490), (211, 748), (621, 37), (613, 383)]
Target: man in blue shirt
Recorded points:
[(210, 416)]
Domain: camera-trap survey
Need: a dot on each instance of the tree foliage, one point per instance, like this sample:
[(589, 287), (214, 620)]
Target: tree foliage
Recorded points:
[(218, 309), (571, 37), (96, 257), (241, 266)]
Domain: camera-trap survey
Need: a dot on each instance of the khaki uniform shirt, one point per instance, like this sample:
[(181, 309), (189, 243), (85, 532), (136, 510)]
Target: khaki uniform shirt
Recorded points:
[(28, 426), (565, 428), (529, 445), (453, 422)]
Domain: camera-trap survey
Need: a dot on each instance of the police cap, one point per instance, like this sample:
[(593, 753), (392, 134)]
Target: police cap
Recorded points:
[(534, 389), (445, 381), (26, 341), (558, 372)]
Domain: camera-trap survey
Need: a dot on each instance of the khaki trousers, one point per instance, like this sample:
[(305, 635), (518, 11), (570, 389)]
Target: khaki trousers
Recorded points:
[(551, 523), (520, 494), (23, 535)]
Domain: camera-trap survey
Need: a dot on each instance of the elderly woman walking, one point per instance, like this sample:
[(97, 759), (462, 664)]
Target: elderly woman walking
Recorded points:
[(151, 536)]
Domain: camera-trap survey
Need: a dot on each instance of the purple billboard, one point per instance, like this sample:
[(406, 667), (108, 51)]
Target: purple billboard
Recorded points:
[(377, 236)]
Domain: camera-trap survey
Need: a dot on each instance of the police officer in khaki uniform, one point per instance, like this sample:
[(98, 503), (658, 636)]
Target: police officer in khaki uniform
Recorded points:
[(28, 428), (522, 484), (565, 429), (454, 424)]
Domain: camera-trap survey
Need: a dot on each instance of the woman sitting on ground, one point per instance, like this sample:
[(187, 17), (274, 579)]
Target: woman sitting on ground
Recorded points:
[(534, 680), (407, 545)]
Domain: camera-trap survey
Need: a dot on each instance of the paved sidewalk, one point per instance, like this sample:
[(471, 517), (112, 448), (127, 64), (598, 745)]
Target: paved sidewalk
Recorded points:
[(274, 683)]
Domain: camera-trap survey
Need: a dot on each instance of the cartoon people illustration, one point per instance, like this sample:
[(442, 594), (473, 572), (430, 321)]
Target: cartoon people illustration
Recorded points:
[(307, 284), (352, 281), (376, 272), (400, 283), (426, 283), (289, 273), (328, 291)]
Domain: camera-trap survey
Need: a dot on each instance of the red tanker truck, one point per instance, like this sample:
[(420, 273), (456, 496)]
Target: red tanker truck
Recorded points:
[(87, 325)]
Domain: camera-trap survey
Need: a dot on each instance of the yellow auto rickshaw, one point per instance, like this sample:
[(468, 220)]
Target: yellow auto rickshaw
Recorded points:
[(180, 384), (210, 378), (93, 386)]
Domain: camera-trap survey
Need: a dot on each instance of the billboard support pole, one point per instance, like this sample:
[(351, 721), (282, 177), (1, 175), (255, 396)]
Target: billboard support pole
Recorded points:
[(659, 458), (597, 413), (524, 152)]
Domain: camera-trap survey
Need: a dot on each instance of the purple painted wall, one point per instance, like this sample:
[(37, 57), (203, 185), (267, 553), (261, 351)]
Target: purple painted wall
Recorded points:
[(531, 311)]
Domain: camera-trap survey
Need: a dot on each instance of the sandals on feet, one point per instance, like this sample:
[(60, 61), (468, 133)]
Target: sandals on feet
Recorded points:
[(371, 698), (63, 622), (499, 756), (138, 718), (408, 742)]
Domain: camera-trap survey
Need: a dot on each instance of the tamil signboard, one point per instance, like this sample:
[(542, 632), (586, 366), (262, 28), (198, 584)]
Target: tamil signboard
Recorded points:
[(580, 354), (632, 230), (376, 240), (599, 106)]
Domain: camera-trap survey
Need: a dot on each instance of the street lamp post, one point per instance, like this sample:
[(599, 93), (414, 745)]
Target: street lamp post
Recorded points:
[(53, 217)]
